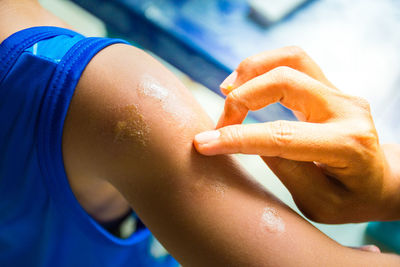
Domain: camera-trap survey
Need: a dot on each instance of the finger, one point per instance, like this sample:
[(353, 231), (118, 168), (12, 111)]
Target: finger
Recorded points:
[(293, 57), (368, 248), (230, 83), (293, 89), (310, 189), (298, 141)]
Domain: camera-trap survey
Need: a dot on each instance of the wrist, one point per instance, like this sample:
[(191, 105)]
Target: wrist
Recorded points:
[(391, 201)]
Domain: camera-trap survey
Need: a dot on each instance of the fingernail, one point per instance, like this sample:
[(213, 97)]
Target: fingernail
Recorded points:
[(207, 137), (371, 248), (229, 81)]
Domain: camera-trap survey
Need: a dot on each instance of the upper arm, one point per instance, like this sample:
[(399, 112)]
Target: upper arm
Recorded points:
[(132, 123)]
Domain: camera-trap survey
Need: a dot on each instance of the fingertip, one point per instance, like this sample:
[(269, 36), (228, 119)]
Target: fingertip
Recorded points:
[(205, 142), (370, 248), (228, 84)]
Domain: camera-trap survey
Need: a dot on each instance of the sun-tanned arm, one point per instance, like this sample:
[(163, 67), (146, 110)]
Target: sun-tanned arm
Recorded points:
[(132, 123)]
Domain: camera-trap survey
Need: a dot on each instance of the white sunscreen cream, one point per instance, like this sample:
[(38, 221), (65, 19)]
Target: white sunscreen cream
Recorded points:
[(271, 221), (151, 87)]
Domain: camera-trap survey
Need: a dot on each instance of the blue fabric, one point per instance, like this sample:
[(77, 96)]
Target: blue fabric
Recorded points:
[(41, 222)]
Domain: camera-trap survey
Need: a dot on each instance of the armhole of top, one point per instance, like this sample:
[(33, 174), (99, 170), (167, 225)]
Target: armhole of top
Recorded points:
[(50, 129), (12, 47)]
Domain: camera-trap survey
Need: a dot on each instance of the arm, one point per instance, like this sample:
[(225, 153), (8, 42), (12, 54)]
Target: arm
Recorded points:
[(132, 123)]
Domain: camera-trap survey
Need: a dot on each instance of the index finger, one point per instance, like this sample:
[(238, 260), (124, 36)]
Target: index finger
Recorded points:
[(292, 56)]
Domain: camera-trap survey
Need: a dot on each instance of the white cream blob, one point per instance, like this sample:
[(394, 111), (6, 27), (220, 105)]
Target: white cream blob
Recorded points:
[(271, 221), (151, 87)]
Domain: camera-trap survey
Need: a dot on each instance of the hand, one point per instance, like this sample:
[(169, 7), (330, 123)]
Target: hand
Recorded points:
[(330, 160)]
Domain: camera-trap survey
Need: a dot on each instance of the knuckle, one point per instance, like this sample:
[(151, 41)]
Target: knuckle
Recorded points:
[(363, 139), (363, 103), (234, 101), (230, 102), (247, 64), (296, 53), (231, 99), (234, 97), (297, 56), (281, 133), (280, 75), (368, 138), (281, 70), (233, 138), (364, 152)]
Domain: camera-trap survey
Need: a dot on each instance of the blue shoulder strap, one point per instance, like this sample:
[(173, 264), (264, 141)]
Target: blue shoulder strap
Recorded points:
[(50, 128), (12, 47)]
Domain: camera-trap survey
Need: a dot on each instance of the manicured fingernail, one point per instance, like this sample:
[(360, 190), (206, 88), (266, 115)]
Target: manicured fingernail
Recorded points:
[(229, 81), (207, 137)]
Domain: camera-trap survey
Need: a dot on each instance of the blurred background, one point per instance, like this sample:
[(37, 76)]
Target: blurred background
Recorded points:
[(356, 43)]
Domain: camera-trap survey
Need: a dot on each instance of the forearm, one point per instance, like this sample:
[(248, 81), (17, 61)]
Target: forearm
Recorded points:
[(209, 212), (218, 217)]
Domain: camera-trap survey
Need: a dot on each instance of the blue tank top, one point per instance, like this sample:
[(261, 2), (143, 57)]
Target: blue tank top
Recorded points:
[(41, 221)]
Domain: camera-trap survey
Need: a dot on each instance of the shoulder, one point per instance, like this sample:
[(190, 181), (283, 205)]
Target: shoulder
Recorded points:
[(125, 106)]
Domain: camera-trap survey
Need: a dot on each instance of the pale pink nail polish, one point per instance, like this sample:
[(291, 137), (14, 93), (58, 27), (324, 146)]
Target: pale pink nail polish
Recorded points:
[(207, 137), (229, 81)]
